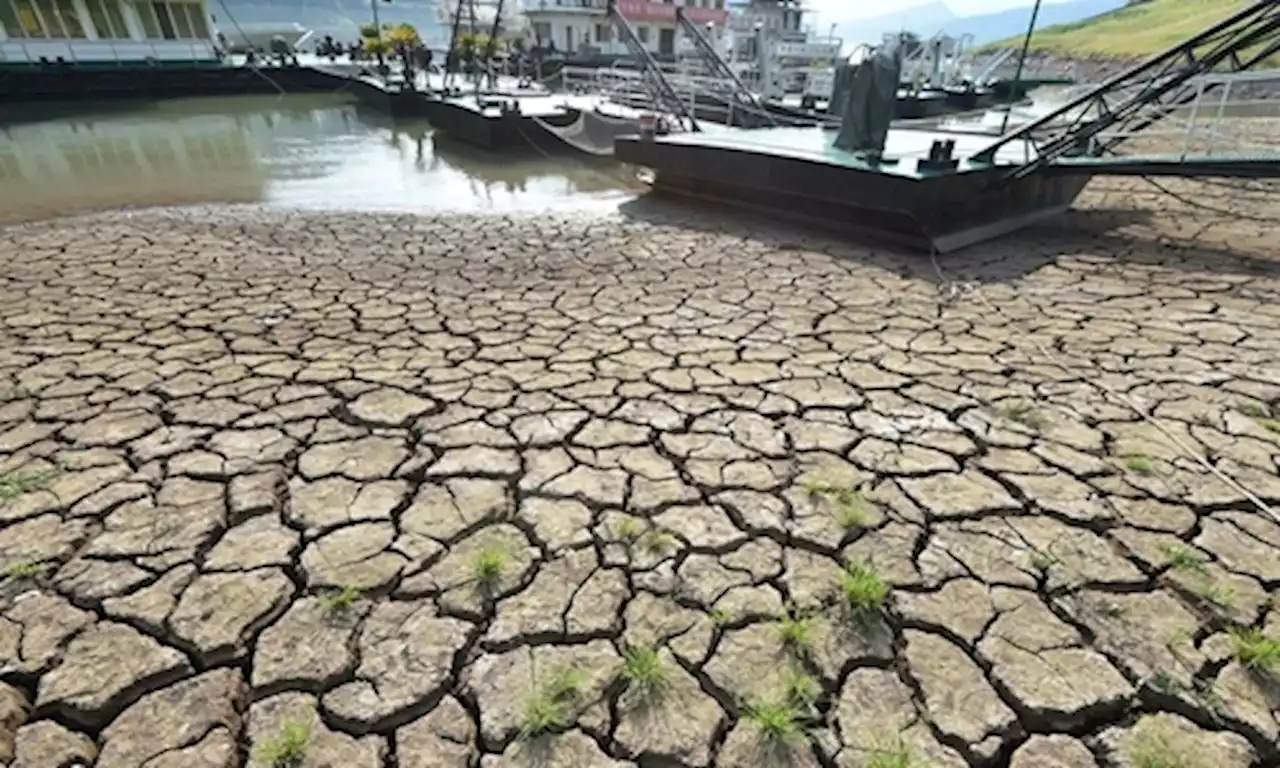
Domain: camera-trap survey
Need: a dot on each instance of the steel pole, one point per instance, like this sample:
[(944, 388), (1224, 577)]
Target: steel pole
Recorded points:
[(1022, 58)]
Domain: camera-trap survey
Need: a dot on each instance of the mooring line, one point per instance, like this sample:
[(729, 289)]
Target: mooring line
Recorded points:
[(1106, 389)]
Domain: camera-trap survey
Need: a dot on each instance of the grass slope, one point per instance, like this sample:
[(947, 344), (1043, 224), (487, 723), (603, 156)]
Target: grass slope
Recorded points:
[(1133, 31)]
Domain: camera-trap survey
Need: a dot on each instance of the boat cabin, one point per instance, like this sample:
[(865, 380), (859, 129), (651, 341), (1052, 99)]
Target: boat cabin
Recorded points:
[(105, 32), (582, 28)]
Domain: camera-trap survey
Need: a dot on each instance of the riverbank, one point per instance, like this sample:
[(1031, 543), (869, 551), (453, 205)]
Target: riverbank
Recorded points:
[(1095, 69), (657, 486)]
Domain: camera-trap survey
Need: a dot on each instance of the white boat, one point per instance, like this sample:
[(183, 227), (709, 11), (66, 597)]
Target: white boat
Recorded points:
[(119, 32)]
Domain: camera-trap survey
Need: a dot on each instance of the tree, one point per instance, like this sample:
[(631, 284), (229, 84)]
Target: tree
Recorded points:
[(402, 34), (368, 31)]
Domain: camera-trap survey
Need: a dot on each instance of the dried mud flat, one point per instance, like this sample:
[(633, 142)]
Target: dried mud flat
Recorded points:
[(372, 492)]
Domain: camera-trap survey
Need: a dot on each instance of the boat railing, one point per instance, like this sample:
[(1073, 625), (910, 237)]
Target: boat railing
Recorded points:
[(1231, 113), (122, 52)]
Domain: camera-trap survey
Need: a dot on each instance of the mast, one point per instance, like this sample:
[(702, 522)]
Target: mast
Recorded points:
[(492, 46), (1022, 58), (451, 56)]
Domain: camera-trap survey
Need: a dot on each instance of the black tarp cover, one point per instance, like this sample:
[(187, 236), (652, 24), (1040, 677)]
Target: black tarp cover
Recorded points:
[(865, 96)]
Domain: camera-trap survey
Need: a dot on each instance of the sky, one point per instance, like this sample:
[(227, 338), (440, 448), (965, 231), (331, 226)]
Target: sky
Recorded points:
[(833, 11)]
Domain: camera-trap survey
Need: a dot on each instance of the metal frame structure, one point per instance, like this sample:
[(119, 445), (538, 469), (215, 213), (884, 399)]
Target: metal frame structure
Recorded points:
[(664, 96), (1163, 83), (719, 68)]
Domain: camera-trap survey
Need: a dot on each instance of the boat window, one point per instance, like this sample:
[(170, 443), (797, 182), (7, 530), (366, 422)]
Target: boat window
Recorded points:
[(181, 23), (101, 24), (116, 18), (150, 27), (166, 24), (70, 19), (107, 20), (38, 18), (13, 26), (199, 27)]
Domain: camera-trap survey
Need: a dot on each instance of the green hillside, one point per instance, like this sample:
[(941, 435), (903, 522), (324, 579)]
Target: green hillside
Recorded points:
[(1133, 31)]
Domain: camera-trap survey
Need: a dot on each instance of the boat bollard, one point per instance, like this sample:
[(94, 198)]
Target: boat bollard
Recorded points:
[(648, 126)]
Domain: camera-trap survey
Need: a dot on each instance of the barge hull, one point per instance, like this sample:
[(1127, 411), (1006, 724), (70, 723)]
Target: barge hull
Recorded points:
[(943, 213)]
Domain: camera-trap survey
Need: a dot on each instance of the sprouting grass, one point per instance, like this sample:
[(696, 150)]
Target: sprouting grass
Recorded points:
[(1183, 558), (1256, 650), (1254, 411), (541, 715), (796, 632), (16, 484), (22, 570), (643, 673), (720, 617), (549, 707), (896, 754), (1043, 560), (1024, 413), (629, 530), (337, 602), (864, 591), (1152, 748), (849, 508), (1139, 463), (488, 566), (1217, 594), (1177, 640), (657, 542), (286, 749), (1271, 425), (800, 690), (777, 723)]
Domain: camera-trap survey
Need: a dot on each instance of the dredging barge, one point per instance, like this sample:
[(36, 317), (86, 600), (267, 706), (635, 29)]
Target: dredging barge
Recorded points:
[(940, 191)]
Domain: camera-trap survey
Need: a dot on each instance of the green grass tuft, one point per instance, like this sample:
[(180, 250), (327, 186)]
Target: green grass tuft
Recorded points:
[(1153, 747), (338, 602), (642, 671), (629, 530), (849, 508), (777, 723), (896, 754), (489, 565), (1183, 558), (1024, 413), (549, 707), (1139, 464), (796, 632), (800, 690), (23, 570), (288, 748), (657, 542), (18, 484), (864, 591), (1256, 650)]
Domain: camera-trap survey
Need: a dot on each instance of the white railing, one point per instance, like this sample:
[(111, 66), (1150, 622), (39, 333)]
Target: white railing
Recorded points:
[(106, 51), (1211, 123)]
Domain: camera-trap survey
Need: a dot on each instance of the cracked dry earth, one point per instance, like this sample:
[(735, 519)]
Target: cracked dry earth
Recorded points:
[(420, 493)]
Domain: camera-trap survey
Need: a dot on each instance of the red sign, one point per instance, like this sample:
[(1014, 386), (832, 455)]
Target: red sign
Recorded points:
[(643, 10)]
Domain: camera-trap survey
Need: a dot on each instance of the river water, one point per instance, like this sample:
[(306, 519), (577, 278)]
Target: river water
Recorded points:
[(298, 151)]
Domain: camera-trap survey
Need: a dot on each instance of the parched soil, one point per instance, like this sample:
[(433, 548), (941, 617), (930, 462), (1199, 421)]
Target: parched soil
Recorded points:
[(655, 490)]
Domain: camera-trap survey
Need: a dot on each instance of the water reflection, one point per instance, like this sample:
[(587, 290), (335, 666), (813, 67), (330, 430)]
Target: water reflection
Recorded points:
[(295, 151)]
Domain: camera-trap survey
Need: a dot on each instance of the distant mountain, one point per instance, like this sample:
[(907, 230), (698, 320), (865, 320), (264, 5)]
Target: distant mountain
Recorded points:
[(924, 20), (1013, 22), (340, 18), (927, 19)]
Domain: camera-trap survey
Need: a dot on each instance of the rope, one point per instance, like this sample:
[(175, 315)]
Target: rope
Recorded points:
[(239, 29)]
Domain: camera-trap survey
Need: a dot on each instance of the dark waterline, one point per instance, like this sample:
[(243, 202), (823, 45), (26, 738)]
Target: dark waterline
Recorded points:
[(297, 151)]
